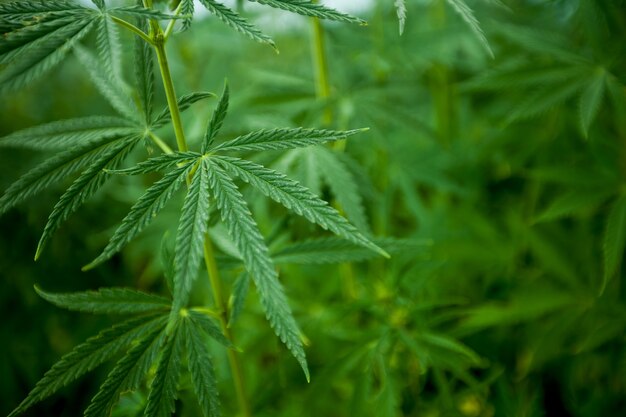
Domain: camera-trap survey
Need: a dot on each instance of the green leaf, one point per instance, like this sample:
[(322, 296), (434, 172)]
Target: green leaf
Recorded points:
[(110, 87), (238, 297), (40, 37), (461, 7), (190, 235), (160, 163), (163, 391), (65, 134), (107, 301), (184, 103), (591, 99), (126, 374), (308, 8), (56, 169), (248, 239), (143, 212), (285, 138), (614, 240), (85, 186), (201, 369), (217, 120), (333, 250), (295, 197), (235, 21), (141, 12), (343, 187), (186, 9), (86, 356), (109, 48), (203, 322), (574, 201), (144, 72)]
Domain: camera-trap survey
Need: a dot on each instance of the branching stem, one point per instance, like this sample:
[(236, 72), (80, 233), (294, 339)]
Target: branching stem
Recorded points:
[(133, 29)]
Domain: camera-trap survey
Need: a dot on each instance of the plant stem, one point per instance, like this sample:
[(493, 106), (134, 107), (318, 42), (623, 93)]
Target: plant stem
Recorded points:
[(216, 285), (170, 93), (209, 259), (132, 28), (322, 83)]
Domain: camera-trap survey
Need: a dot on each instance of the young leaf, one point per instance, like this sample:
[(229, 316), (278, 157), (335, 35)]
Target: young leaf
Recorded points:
[(56, 169), (235, 21), (248, 239), (107, 301), (217, 120), (66, 134), (308, 8), (86, 356), (343, 187), (163, 390), (295, 197), (110, 87), (461, 7), (190, 235), (285, 138), (85, 186), (126, 374), (144, 211), (590, 100), (575, 201), (201, 369), (184, 103), (614, 240)]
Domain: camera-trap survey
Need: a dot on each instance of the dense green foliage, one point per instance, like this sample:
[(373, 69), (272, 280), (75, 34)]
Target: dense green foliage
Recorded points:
[(485, 153)]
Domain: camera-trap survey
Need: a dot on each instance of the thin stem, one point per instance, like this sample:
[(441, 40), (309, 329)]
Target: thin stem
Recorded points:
[(322, 83), (170, 93), (170, 26), (216, 285), (133, 29), (160, 142)]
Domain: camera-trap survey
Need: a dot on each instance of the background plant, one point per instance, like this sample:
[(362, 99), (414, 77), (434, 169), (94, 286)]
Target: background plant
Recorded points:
[(511, 166)]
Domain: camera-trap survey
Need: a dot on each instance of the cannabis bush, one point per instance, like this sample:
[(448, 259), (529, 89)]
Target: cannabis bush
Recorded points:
[(483, 152)]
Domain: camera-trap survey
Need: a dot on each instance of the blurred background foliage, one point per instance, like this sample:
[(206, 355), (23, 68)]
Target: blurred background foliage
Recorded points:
[(508, 173)]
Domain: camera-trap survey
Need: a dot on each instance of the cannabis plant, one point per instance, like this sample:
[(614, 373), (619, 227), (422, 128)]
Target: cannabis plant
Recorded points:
[(163, 334)]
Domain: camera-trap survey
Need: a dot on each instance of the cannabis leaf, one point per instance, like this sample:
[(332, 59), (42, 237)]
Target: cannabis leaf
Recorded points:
[(309, 8), (144, 338), (211, 181), (235, 21), (461, 7), (401, 12)]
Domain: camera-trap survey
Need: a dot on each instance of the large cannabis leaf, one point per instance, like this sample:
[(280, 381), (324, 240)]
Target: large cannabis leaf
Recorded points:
[(144, 339), (212, 181)]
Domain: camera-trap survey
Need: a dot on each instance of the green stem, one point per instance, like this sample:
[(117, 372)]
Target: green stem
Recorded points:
[(132, 28), (170, 93), (209, 259), (160, 142), (322, 83), (220, 304)]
